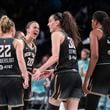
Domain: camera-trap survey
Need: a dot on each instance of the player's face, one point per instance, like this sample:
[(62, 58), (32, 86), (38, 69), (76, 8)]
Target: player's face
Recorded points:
[(34, 30), (52, 24), (94, 24)]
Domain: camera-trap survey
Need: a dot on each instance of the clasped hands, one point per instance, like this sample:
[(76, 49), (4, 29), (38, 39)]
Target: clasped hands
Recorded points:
[(37, 74)]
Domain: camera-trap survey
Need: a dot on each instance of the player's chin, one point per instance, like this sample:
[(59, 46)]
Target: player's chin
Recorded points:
[(34, 37), (51, 30)]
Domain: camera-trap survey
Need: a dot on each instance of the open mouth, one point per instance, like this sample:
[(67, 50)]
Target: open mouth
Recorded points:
[(35, 33)]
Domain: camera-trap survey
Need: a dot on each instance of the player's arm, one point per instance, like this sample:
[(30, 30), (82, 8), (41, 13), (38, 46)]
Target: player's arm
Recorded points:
[(56, 41), (18, 44)]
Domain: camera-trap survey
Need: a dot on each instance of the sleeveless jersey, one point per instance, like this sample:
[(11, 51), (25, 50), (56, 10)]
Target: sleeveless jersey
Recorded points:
[(67, 56), (8, 59), (104, 50), (29, 56)]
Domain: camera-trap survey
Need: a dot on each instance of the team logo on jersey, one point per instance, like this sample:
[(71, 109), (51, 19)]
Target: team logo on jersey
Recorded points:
[(1, 67), (108, 41), (108, 52), (26, 48)]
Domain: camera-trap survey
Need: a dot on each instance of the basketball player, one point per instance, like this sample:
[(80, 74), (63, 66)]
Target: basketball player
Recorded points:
[(66, 84), (97, 81), (12, 67), (29, 50)]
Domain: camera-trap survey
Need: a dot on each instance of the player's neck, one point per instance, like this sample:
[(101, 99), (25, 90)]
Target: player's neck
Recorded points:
[(29, 39), (6, 35)]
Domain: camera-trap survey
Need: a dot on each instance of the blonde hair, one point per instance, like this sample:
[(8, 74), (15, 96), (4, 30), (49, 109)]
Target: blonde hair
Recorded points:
[(6, 24), (87, 51)]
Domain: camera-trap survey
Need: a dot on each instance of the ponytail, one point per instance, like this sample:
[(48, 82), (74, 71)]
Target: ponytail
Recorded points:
[(6, 24), (68, 24), (106, 26), (70, 27)]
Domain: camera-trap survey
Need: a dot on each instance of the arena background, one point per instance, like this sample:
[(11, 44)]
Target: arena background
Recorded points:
[(22, 11)]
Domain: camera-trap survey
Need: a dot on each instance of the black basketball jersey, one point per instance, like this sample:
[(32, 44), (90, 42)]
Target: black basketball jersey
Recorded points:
[(8, 59), (104, 50), (29, 55), (68, 55)]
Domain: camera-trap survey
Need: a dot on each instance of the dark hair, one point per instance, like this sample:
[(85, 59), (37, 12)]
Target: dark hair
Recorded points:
[(68, 24), (106, 26), (100, 16)]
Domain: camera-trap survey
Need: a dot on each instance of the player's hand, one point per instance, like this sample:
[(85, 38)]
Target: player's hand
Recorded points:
[(34, 70), (26, 82), (85, 87), (36, 75), (30, 73), (46, 73)]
